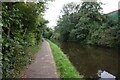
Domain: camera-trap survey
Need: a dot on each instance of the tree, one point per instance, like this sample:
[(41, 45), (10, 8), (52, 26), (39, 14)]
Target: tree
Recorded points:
[(22, 27), (68, 20), (87, 24)]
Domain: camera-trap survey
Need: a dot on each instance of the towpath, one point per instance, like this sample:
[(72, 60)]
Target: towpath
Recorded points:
[(43, 65)]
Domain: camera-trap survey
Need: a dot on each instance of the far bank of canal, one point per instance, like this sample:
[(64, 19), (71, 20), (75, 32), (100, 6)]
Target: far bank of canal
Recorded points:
[(88, 59)]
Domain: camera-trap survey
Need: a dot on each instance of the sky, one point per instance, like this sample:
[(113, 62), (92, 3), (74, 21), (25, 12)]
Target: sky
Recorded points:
[(54, 9)]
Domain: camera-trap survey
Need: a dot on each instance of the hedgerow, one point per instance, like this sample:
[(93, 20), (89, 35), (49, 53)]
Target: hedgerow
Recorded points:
[(22, 28)]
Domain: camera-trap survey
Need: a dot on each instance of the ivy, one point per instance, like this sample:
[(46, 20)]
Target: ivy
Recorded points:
[(22, 25)]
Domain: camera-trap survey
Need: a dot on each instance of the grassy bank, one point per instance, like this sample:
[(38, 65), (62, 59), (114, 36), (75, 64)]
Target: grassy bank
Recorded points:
[(64, 66)]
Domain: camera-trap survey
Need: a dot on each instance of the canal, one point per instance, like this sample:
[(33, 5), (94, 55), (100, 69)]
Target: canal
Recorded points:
[(88, 59)]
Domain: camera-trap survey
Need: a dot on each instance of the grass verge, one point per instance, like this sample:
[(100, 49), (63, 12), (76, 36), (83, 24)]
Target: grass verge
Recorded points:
[(64, 66), (26, 60)]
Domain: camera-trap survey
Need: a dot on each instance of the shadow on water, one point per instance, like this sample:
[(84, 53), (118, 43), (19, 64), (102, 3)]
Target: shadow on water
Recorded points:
[(88, 60)]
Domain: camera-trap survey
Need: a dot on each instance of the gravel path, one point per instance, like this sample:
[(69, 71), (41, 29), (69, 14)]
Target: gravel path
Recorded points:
[(44, 64)]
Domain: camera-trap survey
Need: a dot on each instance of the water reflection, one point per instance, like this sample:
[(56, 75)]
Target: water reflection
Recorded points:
[(88, 60)]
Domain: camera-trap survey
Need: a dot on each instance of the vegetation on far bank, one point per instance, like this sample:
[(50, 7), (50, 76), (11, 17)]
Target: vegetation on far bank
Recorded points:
[(64, 66), (85, 23)]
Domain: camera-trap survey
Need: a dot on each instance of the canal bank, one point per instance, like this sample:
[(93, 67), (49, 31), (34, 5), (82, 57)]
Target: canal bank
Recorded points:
[(64, 66)]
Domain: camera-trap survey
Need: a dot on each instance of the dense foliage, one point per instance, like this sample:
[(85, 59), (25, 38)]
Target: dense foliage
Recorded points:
[(47, 32), (85, 23), (22, 27)]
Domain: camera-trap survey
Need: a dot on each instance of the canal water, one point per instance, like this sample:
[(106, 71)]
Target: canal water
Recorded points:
[(88, 59)]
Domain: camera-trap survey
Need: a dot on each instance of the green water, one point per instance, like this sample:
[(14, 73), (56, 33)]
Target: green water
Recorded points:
[(88, 59)]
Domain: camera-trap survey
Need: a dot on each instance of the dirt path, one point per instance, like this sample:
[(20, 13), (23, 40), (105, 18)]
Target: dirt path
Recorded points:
[(44, 64)]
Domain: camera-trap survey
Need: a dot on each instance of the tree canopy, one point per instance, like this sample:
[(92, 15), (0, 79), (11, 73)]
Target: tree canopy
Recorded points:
[(85, 23), (23, 26)]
